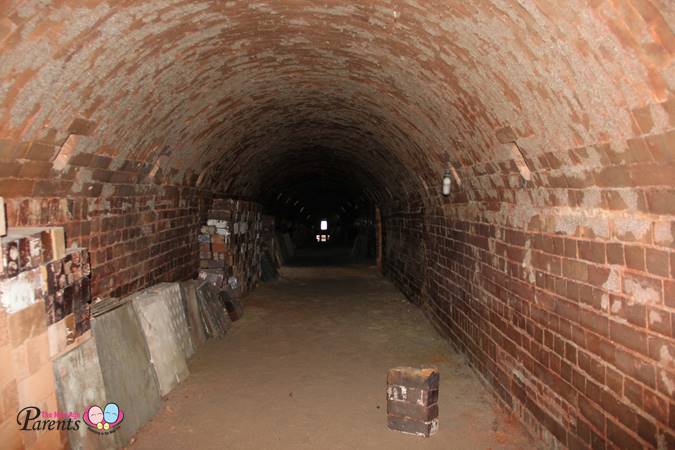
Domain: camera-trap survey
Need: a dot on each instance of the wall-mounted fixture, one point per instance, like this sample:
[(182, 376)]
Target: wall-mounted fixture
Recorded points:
[(447, 182)]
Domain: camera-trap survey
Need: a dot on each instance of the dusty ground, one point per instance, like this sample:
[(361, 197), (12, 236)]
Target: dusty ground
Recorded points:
[(306, 368)]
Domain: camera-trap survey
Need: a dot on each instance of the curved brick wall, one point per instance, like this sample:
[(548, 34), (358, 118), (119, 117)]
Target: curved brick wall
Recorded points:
[(121, 119)]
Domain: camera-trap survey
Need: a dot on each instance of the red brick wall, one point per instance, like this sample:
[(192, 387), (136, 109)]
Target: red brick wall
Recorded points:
[(556, 287), (133, 241), (404, 257), (563, 298)]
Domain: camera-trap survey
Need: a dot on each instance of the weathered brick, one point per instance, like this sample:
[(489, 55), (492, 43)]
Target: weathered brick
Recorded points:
[(661, 201), (657, 262), (592, 251), (420, 396), (81, 126), (506, 135), (622, 438), (475, 260), (642, 289), (628, 337), (412, 411), (420, 378), (669, 293), (409, 426), (40, 151), (643, 118), (635, 257)]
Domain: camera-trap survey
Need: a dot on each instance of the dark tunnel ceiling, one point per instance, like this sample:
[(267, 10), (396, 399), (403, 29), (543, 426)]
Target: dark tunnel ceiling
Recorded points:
[(232, 94), (330, 141), (320, 180)]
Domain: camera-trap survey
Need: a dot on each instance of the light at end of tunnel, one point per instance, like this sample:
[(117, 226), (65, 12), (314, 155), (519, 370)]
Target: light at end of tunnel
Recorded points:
[(324, 225), (447, 182)]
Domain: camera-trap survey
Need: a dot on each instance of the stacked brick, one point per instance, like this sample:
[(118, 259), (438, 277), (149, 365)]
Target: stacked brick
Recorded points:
[(230, 244), (412, 400)]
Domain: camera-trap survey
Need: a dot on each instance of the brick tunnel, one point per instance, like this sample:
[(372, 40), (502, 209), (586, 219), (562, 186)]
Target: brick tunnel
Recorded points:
[(505, 166)]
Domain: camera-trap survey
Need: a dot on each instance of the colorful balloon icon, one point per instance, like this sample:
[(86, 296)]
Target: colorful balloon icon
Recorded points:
[(95, 415), (111, 412)]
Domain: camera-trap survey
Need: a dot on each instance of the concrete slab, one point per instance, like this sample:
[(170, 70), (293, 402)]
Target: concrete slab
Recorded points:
[(216, 321), (128, 375), (172, 295), (156, 315), (79, 384), (189, 291)]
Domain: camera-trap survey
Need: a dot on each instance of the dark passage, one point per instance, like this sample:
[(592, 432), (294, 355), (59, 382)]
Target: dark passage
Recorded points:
[(488, 186)]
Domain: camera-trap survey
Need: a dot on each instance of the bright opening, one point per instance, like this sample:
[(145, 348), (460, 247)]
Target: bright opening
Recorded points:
[(324, 225)]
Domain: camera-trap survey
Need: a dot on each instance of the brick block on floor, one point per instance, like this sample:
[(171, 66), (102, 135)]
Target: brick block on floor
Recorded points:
[(412, 377), (409, 426), (414, 395), (233, 305), (412, 400), (412, 410)]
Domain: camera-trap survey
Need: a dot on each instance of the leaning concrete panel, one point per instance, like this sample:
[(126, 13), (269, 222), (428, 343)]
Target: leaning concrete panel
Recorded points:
[(171, 294), (128, 375), (168, 358), (189, 291), (79, 384)]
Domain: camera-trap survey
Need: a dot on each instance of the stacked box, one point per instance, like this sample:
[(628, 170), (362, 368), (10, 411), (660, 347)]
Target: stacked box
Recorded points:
[(230, 243), (412, 400)]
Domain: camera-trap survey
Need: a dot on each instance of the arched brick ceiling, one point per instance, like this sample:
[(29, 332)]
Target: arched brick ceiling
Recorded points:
[(232, 86)]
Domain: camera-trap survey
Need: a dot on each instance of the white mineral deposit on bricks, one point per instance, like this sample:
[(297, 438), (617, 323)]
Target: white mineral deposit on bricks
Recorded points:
[(130, 123)]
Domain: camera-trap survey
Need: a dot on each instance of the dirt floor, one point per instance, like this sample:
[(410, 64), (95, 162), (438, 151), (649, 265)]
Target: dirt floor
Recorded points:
[(306, 369)]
